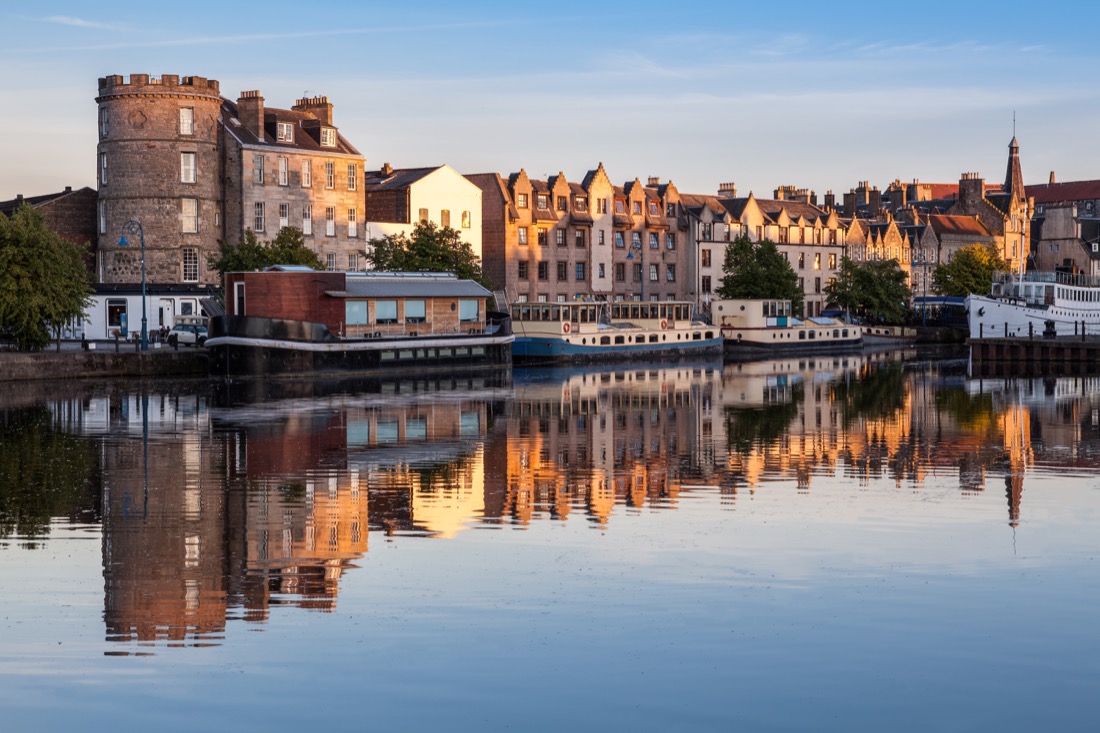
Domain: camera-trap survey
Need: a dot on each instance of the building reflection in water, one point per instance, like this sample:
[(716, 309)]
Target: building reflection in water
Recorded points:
[(263, 501)]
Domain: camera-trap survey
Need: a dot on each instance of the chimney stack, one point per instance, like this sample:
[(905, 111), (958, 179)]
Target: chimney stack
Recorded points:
[(319, 107), (250, 111), (727, 190)]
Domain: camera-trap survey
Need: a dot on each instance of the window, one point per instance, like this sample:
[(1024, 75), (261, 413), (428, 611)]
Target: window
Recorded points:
[(653, 274), (759, 233), (706, 283), (189, 216), (578, 238), (104, 126), (187, 120), (521, 200), (116, 313), (636, 240), (284, 215), (522, 232), (817, 285), (618, 240), (707, 232), (620, 272), (637, 272), (385, 311), (353, 176), (601, 206), (562, 271), (801, 260), (416, 311), (522, 270), (784, 235), (637, 208), (190, 265), (579, 272), (562, 205), (600, 237), (423, 215), (238, 299), (704, 256), (602, 273), (102, 217), (258, 169), (467, 310), (832, 236), (353, 223), (542, 201), (353, 262), (284, 171), (328, 137), (330, 221), (559, 237), (330, 175), (832, 261), (802, 235), (654, 210), (540, 234), (103, 169), (670, 210), (580, 203), (445, 218), (307, 174), (653, 241), (620, 206), (307, 219), (284, 132), (544, 271), (330, 262), (355, 312), (258, 217), (670, 273), (670, 241), (817, 261), (465, 219)]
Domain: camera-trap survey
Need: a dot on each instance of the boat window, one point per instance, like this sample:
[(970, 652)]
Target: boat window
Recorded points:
[(635, 311), (385, 311), (639, 339), (555, 313), (355, 312), (605, 341), (415, 311), (801, 335), (619, 340), (467, 310)]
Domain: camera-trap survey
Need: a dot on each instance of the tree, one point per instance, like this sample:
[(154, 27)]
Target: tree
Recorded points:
[(288, 248), (428, 249), (758, 270), (875, 290), (971, 270), (43, 280)]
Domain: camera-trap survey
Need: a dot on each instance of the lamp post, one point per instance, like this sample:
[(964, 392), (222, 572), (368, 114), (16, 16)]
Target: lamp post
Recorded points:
[(133, 226)]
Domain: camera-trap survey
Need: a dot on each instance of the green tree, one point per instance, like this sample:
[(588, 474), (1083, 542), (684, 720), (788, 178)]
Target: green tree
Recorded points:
[(288, 248), (43, 280), (971, 270), (428, 249), (758, 270), (875, 290)]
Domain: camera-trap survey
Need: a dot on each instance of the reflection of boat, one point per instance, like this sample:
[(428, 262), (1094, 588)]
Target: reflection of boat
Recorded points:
[(1035, 304), (601, 331), (889, 335), (753, 327), (297, 320)]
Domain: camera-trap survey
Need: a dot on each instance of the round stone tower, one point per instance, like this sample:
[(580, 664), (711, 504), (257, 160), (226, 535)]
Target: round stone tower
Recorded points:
[(158, 164)]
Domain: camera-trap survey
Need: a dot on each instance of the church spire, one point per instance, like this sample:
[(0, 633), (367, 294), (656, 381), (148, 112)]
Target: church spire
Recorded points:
[(1014, 177)]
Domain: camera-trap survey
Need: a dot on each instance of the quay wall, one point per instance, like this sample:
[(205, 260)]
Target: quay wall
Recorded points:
[(67, 365)]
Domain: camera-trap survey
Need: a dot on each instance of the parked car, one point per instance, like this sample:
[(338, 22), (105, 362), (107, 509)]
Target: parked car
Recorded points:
[(191, 334)]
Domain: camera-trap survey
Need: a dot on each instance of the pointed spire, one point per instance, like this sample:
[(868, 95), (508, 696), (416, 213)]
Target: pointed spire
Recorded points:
[(1014, 177)]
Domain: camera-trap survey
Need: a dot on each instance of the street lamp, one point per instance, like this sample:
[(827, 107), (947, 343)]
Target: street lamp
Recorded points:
[(133, 226)]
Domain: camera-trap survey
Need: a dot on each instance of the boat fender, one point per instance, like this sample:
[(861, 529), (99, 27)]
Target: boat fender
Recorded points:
[(664, 325), (565, 327)]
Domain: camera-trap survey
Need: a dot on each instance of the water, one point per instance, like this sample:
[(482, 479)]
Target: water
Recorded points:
[(843, 543)]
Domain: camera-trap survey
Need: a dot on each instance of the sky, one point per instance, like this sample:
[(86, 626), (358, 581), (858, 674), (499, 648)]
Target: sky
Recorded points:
[(816, 95)]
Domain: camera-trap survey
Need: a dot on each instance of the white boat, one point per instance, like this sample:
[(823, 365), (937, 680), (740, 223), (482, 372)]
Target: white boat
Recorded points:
[(593, 331), (767, 326), (1036, 304)]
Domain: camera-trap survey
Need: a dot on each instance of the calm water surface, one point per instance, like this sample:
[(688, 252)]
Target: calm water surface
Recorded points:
[(849, 543)]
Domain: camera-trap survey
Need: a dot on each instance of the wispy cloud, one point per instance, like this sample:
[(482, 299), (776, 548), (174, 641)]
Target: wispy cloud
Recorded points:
[(82, 23)]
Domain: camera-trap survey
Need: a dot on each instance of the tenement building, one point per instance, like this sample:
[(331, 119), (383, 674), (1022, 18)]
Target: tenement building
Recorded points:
[(194, 168)]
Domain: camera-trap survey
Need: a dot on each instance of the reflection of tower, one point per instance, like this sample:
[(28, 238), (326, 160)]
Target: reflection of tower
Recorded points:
[(163, 549), (1016, 441)]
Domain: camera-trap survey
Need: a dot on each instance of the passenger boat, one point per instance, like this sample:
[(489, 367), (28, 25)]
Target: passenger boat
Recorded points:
[(1036, 304), (593, 331), (752, 327), (888, 336), (294, 321)]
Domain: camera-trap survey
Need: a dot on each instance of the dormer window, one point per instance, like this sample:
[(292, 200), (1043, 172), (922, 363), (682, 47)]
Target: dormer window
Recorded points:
[(284, 132), (521, 200), (580, 203), (542, 201), (328, 137), (637, 208), (653, 209)]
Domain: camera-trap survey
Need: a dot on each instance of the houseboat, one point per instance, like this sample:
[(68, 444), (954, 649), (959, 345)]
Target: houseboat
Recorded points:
[(757, 327), (596, 331), (294, 320), (1036, 304)]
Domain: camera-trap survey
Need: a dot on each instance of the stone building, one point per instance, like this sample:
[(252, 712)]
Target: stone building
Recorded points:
[(194, 168), (72, 214), (1065, 226)]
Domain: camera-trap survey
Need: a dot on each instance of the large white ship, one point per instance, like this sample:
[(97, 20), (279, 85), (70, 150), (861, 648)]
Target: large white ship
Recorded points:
[(1036, 304)]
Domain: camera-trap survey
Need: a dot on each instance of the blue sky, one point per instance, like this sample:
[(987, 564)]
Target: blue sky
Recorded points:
[(816, 95)]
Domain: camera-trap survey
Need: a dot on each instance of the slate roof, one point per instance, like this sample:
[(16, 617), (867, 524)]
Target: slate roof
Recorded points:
[(399, 178), (8, 207), (407, 285), (303, 123)]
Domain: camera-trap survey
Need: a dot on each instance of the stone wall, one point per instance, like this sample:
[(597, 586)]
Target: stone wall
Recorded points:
[(103, 363)]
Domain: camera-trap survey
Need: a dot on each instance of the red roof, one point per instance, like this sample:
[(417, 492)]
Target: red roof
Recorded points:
[(1049, 193), (966, 225)]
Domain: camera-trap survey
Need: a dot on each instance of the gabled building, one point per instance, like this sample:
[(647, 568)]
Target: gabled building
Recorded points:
[(69, 213), (396, 199), (1064, 226)]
